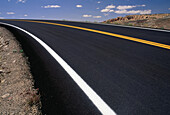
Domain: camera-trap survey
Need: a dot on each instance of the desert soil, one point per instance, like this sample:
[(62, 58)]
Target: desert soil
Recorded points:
[(17, 93), (158, 21)]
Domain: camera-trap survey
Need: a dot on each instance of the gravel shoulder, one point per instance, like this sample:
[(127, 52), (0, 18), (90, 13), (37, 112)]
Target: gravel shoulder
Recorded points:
[(17, 93)]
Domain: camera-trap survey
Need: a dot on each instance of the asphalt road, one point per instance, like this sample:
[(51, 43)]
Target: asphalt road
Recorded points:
[(132, 78)]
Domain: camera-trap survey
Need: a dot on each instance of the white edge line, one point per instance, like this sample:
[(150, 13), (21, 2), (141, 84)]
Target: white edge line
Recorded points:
[(93, 96)]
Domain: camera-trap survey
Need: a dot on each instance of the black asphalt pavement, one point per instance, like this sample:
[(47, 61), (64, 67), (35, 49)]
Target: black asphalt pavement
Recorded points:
[(132, 78)]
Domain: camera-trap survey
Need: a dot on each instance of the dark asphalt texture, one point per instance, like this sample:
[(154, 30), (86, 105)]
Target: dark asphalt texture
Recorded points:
[(132, 78)]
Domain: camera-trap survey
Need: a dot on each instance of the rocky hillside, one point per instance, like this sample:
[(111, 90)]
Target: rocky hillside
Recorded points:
[(161, 21)]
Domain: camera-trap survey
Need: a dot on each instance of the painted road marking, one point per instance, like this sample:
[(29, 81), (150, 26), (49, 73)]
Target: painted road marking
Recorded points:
[(107, 33), (93, 96)]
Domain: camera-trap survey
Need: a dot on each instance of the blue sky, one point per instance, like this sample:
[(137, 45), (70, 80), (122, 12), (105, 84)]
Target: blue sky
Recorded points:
[(79, 10)]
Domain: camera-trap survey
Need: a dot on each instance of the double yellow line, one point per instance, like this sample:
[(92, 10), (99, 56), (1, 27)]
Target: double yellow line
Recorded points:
[(106, 33)]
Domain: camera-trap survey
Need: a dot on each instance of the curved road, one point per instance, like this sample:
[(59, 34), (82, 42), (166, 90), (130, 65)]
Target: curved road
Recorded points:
[(129, 68)]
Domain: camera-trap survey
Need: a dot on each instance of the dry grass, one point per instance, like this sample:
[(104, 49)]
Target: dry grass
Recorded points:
[(33, 98)]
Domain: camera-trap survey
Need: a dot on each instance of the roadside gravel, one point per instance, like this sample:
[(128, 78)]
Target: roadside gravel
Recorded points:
[(17, 93)]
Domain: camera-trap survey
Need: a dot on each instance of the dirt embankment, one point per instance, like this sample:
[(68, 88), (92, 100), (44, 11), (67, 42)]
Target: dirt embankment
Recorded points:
[(17, 93), (161, 21)]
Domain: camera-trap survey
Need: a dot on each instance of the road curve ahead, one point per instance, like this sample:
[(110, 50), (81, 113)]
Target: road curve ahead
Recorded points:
[(103, 69)]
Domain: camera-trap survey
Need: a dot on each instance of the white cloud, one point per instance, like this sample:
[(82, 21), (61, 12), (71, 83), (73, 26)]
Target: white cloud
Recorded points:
[(133, 12), (111, 11), (125, 7), (142, 5), (121, 11), (146, 12), (22, 1), (110, 6), (106, 14), (51, 6), (105, 10), (97, 8), (98, 2), (1, 17), (79, 6), (9, 13), (129, 7), (25, 15), (87, 16), (168, 8), (97, 16)]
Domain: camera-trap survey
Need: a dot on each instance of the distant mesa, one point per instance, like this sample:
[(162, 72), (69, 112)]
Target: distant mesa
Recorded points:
[(161, 21)]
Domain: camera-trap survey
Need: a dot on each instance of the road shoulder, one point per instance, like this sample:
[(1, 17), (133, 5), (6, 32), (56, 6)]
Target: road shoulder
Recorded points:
[(17, 92)]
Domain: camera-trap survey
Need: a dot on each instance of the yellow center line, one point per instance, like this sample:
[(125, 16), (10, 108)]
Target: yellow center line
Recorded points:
[(106, 33)]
